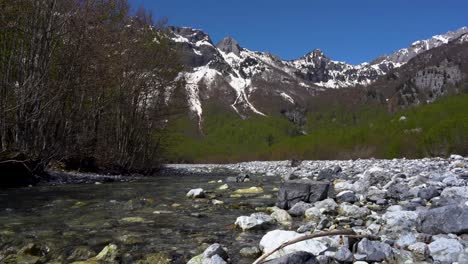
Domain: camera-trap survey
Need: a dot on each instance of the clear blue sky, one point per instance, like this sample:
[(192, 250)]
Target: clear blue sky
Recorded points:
[(347, 30)]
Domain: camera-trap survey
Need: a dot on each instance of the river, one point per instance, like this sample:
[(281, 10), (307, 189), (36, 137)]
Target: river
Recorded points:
[(143, 217)]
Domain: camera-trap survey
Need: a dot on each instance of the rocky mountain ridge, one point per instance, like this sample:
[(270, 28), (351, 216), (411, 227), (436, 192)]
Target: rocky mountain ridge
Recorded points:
[(251, 82)]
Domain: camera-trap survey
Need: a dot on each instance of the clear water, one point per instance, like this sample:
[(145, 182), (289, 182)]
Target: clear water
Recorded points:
[(65, 217)]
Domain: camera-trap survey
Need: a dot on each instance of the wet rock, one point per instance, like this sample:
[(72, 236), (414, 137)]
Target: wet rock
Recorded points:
[(300, 257), (196, 193), (217, 202), (445, 250), (299, 208), (135, 219), (23, 259), (250, 252), (305, 190), (251, 190), (436, 221), (239, 178), (223, 187), (281, 216), (108, 254), (346, 197), (274, 238), (254, 221), (344, 255), (374, 251), (157, 258), (215, 250), (216, 259), (33, 249), (81, 253), (198, 259)]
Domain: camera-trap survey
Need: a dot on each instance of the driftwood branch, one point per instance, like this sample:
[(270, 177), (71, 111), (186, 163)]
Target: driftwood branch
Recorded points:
[(349, 233)]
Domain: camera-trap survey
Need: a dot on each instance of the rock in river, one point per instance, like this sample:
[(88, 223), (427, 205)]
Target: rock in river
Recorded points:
[(251, 190), (254, 221), (274, 238), (281, 216), (292, 192), (196, 193)]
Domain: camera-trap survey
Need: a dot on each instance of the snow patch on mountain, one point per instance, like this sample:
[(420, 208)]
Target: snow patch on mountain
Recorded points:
[(287, 97), (241, 68)]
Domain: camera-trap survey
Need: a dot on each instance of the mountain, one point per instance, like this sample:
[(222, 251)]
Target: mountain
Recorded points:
[(250, 82)]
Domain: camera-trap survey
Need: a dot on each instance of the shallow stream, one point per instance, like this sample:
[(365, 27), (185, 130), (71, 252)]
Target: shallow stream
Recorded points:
[(144, 217)]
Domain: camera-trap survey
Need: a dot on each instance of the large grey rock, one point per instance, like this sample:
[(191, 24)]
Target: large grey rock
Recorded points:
[(305, 190), (254, 221), (300, 257), (299, 208), (374, 251), (445, 250), (444, 220)]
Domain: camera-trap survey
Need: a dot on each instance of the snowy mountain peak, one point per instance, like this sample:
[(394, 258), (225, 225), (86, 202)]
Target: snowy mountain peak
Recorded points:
[(228, 45), (417, 47), (244, 79)]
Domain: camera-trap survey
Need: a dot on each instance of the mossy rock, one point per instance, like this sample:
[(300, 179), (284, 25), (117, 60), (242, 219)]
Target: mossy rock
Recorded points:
[(157, 258)]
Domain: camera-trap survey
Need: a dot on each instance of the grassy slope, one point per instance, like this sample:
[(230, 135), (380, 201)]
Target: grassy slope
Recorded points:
[(435, 129)]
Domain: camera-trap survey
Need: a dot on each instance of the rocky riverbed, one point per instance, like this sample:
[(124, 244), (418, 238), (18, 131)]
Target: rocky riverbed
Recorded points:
[(404, 211), (401, 211)]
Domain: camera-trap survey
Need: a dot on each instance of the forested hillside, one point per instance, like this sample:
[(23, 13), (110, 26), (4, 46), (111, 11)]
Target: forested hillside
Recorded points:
[(331, 131), (84, 82)]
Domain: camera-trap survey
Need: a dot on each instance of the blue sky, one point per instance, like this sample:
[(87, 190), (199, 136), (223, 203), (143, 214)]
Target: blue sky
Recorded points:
[(354, 31)]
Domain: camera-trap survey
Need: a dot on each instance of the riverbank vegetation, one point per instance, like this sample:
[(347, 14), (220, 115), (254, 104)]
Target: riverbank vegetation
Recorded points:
[(83, 82), (331, 132)]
